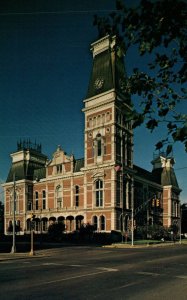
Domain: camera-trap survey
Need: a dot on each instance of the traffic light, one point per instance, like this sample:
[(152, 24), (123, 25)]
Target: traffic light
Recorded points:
[(157, 202), (153, 203)]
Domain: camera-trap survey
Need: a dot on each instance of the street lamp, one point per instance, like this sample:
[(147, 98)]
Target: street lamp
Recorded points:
[(32, 236), (132, 216)]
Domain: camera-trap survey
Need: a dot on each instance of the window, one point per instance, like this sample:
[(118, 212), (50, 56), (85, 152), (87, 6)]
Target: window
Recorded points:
[(37, 224), (90, 122), (59, 169), (16, 202), (98, 119), (99, 193), (76, 195), (59, 196), (43, 199), (108, 116), (94, 121), (36, 200), (29, 197), (95, 223), (44, 224), (29, 205), (99, 146), (102, 223), (28, 224)]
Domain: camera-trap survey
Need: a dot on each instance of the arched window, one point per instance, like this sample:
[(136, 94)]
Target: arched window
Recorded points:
[(99, 193), (90, 122), (98, 119), (17, 202), (36, 201), (18, 225), (28, 224), (30, 197), (94, 121), (76, 195), (95, 222), (108, 116), (10, 226), (59, 196), (43, 199), (44, 224), (102, 223)]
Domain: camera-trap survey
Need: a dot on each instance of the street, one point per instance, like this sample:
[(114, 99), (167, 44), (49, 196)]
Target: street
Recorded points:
[(84, 272)]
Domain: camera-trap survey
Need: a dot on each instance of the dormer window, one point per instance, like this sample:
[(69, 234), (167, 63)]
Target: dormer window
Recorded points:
[(59, 169)]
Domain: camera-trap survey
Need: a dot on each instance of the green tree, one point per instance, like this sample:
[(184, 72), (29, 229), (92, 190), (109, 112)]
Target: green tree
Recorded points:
[(158, 29)]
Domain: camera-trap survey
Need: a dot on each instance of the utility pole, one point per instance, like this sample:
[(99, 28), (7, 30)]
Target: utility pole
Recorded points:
[(122, 215), (14, 219)]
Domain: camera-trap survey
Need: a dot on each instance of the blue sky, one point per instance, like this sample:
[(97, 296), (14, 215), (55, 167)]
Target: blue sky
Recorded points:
[(45, 65)]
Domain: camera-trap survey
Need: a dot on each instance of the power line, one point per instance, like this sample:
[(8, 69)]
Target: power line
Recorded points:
[(180, 168), (57, 12)]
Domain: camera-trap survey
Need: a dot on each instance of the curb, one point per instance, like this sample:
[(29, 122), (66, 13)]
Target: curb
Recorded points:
[(14, 256), (129, 246)]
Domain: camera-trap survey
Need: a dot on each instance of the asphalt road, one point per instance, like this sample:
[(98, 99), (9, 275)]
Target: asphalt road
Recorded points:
[(97, 273)]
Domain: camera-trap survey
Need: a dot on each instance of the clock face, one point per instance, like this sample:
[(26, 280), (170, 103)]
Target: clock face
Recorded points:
[(99, 83)]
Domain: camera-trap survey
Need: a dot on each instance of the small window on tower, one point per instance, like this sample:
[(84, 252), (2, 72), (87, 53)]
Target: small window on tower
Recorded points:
[(99, 148), (99, 120), (94, 121), (108, 116), (90, 122)]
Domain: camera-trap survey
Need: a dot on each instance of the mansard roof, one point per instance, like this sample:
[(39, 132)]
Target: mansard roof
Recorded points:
[(25, 161), (22, 170), (39, 174), (169, 178)]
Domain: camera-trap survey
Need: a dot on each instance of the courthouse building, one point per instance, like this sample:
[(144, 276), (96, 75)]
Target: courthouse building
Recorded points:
[(104, 187)]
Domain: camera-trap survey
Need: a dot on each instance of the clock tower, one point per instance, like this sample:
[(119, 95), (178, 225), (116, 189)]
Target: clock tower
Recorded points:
[(108, 134)]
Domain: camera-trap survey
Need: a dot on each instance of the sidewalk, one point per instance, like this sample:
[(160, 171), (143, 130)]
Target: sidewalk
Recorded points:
[(21, 255), (50, 251)]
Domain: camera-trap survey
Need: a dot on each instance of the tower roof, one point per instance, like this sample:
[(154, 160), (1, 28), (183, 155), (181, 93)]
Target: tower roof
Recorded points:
[(108, 71), (25, 161), (163, 172)]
